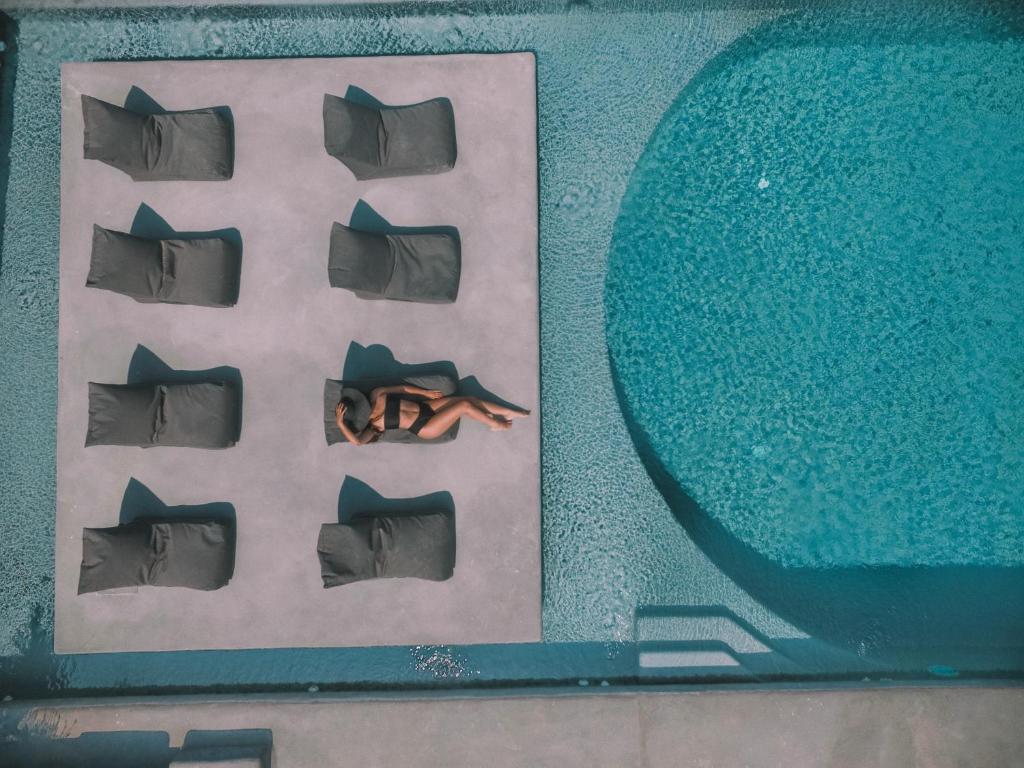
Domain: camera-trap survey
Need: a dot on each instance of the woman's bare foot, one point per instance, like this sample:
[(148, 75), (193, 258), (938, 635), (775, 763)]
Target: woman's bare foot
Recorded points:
[(506, 413), (499, 423)]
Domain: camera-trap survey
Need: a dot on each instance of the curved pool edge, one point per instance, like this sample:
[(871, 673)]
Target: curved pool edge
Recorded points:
[(901, 616), (965, 618)]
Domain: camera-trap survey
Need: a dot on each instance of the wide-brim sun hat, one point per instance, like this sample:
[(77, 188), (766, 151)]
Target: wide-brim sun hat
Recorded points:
[(357, 408)]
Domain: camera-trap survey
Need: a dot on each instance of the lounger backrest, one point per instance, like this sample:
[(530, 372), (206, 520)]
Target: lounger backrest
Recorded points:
[(114, 135), (121, 414), (352, 133), (125, 264), (359, 261)]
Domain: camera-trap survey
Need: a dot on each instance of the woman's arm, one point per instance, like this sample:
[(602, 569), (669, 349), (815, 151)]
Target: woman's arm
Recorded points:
[(362, 438), (379, 392), (403, 389), (430, 394)]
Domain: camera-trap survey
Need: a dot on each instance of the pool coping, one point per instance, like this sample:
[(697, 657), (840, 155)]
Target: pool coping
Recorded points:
[(614, 728)]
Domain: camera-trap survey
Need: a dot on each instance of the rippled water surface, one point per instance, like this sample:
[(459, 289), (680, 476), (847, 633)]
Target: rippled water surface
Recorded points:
[(606, 72), (815, 292)]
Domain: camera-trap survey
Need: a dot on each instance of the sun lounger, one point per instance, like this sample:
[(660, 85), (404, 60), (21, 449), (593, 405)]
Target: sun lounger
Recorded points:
[(404, 267), (199, 271), (420, 546), (357, 394), (197, 145), (194, 415), (158, 553), (377, 143)]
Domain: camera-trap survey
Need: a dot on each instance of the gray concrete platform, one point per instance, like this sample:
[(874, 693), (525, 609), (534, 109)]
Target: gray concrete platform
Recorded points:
[(887, 728), (290, 331)]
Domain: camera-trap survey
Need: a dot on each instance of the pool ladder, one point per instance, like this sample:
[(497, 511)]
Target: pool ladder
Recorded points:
[(702, 642)]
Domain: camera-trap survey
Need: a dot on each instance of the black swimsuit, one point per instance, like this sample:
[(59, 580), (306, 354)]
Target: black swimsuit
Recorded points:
[(393, 414)]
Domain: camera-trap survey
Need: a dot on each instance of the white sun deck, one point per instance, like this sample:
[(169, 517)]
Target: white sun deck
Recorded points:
[(289, 331)]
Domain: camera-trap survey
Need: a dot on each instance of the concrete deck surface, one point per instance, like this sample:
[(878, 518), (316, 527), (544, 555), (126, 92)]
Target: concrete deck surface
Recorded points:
[(289, 331), (890, 728)]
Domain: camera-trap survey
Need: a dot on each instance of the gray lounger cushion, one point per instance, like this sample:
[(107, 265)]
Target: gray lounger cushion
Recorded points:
[(420, 546), (193, 554), (406, 267), (390, 141), (200, 271), (197, 145), (200, 415), (334, 390)]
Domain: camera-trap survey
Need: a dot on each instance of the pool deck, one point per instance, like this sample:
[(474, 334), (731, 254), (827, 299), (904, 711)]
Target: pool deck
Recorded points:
[(289, 331), (880, 728)]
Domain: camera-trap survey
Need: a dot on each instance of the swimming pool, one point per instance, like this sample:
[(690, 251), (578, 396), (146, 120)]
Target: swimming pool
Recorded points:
[(814, 317), (613, 542)]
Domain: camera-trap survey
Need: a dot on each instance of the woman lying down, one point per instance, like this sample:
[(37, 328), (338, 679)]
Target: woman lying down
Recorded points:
[(426, 413)]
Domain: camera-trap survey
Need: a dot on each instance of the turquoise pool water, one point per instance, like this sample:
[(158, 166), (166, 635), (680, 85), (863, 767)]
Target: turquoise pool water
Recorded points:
[(608, 74), (815, 320), (815, 295)]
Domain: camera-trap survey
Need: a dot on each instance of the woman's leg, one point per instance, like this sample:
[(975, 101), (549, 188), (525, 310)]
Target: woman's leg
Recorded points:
[(485, 405), (450, 412), (501, 410)]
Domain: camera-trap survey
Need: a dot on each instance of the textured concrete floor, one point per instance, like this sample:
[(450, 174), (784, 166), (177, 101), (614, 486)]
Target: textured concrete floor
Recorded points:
[(289, 331), (894, 728)]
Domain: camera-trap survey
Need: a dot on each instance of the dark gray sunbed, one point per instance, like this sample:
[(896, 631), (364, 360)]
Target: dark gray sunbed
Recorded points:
[(420, 267), (158, 553), (195, 145), (199, 271), (188, 415), (382, 142), (357, 394), (420, 546)]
